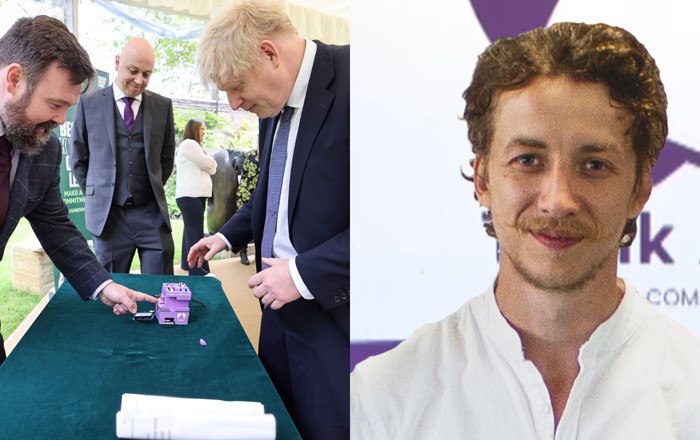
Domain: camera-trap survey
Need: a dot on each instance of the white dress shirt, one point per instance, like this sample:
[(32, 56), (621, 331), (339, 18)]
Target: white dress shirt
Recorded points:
[(465, 377), (121, 105)]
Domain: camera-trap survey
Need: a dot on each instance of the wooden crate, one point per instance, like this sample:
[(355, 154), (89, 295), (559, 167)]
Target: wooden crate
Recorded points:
[(32, 270)]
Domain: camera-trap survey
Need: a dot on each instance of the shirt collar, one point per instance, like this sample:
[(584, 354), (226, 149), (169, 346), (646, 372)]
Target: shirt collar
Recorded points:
[(609, 335), (617, 329), (118, 94), (298, 95)]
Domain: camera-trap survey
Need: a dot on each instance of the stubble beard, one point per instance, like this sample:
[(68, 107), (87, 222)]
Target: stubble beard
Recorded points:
[(573, 281), (22, 134)]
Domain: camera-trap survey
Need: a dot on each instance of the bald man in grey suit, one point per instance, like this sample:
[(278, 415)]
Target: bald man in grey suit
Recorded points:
[(122, 153)]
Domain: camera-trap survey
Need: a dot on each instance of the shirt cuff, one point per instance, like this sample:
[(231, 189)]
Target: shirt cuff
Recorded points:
[(298, 282), (228, 245), (99, 289)]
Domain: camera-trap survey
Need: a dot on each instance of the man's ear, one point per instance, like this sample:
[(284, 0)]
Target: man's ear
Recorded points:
[(116, 62), (268, 51), (13, 78), (642, 191), (481, 181)]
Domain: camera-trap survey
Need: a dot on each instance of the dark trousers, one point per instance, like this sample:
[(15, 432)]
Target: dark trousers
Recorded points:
[(133, 228), (306, 354), (192, 209)]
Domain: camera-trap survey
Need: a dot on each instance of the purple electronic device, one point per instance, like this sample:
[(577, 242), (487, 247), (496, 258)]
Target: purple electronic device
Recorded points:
[(173, 306)]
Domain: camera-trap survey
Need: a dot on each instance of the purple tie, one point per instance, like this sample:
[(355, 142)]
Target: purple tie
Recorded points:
[(5, 167), (128, 112)]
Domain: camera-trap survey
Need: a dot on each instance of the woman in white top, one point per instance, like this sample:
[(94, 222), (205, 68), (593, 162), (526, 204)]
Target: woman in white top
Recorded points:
[(193, 186)]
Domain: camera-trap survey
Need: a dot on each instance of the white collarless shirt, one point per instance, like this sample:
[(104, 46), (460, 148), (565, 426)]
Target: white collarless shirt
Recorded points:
[(466, 377)]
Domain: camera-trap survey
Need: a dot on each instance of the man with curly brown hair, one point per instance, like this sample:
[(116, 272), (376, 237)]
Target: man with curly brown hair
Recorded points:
[(566, 123)]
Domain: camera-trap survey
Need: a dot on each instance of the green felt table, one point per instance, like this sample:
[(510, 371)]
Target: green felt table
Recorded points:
[(65, 378)]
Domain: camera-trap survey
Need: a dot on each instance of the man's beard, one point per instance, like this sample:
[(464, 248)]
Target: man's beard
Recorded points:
[(20, 133), (576, 278)]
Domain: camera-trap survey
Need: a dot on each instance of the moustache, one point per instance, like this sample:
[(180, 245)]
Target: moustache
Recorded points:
[(30, 131), (47, 126), (561, 227)]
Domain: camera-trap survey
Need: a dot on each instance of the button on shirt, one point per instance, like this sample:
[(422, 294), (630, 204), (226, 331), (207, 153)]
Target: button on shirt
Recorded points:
[(466, 377)]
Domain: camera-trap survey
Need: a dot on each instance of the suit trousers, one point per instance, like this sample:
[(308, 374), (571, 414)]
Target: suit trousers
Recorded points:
[(136, 228), (306, 354), (192, 209)]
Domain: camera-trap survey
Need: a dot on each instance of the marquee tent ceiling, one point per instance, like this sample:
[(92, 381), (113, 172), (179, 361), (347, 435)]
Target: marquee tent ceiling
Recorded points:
[(203, 8), (327, 20)]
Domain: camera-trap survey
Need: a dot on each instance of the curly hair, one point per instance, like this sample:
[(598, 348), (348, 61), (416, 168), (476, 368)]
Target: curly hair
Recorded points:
[(596, 53)]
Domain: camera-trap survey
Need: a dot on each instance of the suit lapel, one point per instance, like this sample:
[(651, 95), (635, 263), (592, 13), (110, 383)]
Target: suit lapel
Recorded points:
[(109, 113), (18, 198), (145, 99), (316, 106)]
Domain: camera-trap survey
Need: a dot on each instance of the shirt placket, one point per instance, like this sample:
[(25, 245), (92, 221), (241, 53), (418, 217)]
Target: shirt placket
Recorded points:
[(539, 401)]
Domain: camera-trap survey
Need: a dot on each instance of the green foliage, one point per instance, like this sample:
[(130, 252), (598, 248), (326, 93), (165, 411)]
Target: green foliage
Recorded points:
[(214, 122), (15, 305), (176, 57), (169, 188), (175, 72), (245, 138)]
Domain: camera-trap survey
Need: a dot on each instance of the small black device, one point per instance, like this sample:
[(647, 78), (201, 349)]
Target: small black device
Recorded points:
[(144, 316)]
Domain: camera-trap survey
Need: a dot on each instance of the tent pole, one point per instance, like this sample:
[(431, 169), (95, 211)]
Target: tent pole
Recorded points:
[(70, 12)]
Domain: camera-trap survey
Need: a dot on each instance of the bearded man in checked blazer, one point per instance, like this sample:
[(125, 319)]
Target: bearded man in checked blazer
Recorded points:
[(43, 69)]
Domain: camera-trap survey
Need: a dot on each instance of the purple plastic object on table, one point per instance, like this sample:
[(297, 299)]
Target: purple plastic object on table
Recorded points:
[(174, 304)]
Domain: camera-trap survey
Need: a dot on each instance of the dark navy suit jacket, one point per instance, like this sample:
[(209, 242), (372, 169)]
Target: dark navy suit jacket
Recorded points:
[(319, 190), (36, 195)]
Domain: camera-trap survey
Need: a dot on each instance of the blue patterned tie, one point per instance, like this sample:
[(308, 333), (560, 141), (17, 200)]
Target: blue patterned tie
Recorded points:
[(278, 159)]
